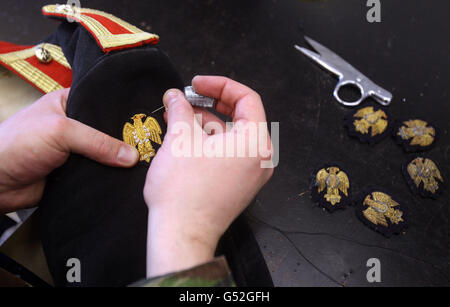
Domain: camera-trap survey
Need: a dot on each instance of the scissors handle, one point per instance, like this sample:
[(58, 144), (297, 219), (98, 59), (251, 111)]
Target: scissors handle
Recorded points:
[(353, 83), (383, 98), (366, 89)]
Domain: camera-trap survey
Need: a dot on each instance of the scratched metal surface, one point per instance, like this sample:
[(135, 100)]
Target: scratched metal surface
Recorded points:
[(252, 41)]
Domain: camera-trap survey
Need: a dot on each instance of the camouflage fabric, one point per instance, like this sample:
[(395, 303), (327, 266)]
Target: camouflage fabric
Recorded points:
[(213, 274)]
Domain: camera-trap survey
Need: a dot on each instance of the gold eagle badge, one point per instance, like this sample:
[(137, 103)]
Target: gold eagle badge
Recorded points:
[(417, 133), (425, 171), (368, 118), (335, 182), (141, 135), (380, 208)]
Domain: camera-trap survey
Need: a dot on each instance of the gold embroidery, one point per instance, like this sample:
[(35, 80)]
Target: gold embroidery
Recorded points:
[(426, 171), (418, 131), (105, 37), (334, 180), (55, 51), (380, 207), (17, 61), (377, 121), (141, 134)]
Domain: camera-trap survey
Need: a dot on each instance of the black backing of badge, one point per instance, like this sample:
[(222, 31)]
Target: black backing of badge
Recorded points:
[(420, 190), (406, 144), (392, 229), (367, 138), (320, 197)]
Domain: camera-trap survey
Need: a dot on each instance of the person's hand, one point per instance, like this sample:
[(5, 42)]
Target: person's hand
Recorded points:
[(193, 200), (38, 140)]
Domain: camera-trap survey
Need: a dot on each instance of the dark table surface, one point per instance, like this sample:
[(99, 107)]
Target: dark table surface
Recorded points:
[(252, 41)]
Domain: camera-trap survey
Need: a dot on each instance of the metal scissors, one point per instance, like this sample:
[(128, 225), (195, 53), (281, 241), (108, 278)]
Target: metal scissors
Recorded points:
[(347, 74)]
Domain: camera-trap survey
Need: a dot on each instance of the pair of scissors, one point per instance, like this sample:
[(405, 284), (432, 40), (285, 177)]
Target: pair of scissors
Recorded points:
[(347, 74)]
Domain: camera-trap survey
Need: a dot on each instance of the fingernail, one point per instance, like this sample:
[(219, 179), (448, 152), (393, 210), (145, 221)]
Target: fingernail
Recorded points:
[(170, 97), (127, 155), (194, 81)]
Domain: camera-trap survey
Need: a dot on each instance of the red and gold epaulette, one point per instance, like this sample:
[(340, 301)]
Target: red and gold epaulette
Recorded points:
[(44, 66), (110, 32)]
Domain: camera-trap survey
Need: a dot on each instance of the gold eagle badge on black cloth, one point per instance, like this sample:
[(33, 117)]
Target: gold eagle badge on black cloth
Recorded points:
[(141, 135), (378, 210), (331, 188), (415, 135), (369, 124), (423, 177)]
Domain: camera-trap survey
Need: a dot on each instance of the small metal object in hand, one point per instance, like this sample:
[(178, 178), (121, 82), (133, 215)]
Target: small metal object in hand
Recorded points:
[(197, 100)]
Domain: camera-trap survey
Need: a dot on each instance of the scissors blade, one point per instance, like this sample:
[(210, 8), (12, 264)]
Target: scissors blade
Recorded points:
[(319, 59), (335, 63), (323, 51), (312, 55)]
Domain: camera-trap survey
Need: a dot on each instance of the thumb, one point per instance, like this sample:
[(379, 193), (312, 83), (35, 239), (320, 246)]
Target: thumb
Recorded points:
[(100, 147), (178, 108)]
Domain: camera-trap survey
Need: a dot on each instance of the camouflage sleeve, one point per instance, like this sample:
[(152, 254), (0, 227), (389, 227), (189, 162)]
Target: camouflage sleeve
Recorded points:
[(213, 274)]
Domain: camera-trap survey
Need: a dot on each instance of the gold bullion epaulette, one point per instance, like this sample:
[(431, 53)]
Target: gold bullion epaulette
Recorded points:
[(44, 66), (110, 32)]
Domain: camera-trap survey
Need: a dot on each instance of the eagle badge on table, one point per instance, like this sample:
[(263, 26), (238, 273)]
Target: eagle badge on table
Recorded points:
[(423, 177), (415, 135), (382, 213), (331, 188), (141, 134), (369, 124)]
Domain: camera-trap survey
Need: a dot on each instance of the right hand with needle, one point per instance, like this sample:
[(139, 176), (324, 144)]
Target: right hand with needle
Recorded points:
[(193, 200)]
